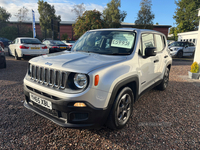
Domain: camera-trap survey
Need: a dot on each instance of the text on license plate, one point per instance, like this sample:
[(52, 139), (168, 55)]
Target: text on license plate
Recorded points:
[(41, 101), (63, 47), (35, 48)]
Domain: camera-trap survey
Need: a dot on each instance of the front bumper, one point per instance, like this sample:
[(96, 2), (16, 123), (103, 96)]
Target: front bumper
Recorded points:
[(65, 114), (173, 53)]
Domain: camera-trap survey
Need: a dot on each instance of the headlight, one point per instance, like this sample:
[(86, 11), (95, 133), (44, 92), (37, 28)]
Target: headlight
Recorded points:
[(176, 49), (80, 80)]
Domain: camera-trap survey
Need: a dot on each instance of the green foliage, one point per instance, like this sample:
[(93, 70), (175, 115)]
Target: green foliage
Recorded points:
[(4, 17), (112, 15), (9, 32), (47, 12), (194, 67), (64, 36), (174, 31), (186, 15), (145, 16), (89, 20)]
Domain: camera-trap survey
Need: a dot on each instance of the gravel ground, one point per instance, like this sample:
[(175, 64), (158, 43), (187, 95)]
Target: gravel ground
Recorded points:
[(160, 120)]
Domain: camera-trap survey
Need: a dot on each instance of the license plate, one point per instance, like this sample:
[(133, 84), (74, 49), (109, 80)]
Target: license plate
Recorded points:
[(35, 48), (41, 101), (63, 47)]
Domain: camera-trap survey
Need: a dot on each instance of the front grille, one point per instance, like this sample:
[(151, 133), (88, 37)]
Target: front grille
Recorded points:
[(47, 76)]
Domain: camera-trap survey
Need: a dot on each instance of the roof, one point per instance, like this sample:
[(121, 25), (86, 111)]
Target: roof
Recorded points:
[(127, 29)]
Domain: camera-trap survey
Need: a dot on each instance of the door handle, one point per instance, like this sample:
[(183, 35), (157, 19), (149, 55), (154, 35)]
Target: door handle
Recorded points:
[(166, 56), (155, 61)]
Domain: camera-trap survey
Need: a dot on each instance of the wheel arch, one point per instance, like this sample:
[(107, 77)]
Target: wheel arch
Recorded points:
[(132, 82)]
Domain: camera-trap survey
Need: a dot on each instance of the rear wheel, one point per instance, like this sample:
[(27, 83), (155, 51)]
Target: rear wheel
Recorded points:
[(16, 56), (122, 109), (163, 85), (180, 54), (9, 51)]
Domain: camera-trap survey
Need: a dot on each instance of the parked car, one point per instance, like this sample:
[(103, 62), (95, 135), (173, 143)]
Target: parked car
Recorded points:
[(25, 46), (55, 46), (70, 43), (2, 58), (180, 49), (97, 83), (170, 42), (5, 41)]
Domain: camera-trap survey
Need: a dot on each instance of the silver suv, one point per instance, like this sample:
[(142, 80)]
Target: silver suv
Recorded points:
[(98, 81)]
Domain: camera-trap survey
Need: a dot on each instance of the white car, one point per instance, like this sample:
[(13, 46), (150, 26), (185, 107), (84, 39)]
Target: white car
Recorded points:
[(25, 46), (69, 43), (180, 49), (97, 83)]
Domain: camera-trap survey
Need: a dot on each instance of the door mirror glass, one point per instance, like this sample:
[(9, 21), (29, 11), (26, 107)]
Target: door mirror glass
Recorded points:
[(150, 51)]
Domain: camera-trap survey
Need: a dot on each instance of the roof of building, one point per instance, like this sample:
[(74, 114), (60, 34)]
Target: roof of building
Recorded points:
[(124, 24)]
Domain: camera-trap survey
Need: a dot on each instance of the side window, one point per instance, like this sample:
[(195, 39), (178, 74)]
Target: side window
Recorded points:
[(191, 44), (147, 41), (159, 43)]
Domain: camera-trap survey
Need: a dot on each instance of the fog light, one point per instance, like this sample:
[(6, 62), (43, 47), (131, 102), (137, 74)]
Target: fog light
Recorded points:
[(79, 105)]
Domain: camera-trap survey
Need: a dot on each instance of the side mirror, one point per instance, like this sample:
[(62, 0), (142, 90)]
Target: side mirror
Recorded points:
[(150, 51), (186, 46)]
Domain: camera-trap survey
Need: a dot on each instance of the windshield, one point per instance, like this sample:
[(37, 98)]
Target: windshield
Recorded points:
[(106, 42), (30, 41), (57, 42), (180, 44)]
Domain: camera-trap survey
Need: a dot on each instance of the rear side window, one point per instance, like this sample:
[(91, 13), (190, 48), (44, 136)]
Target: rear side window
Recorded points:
[(159, 43), (147, 41)]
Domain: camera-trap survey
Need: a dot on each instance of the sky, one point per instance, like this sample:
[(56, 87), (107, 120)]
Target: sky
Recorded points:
[(162, 9)]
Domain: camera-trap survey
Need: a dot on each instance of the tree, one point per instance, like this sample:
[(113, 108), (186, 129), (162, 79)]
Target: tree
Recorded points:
[(9, 32), (47, 12), (64, 36), (4, 17), (174, 31), (186, 15), (22, 14), (78, 9), (112, 15), (89, 20), (145, 16)]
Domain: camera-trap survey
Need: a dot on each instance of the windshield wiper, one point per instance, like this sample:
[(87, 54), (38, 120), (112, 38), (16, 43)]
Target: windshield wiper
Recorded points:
[(118, 54)]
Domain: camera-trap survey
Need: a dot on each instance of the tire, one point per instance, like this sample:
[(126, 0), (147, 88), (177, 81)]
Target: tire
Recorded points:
[(9, 54), (163, 85), (121, 109), (180, 54), (16, 56)]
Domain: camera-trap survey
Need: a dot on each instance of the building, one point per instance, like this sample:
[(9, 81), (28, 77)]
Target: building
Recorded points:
[(188, 36), (66, 27)]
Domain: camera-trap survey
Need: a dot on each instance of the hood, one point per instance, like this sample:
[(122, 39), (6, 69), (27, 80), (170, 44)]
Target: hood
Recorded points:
[(76, 61), (171, 47)]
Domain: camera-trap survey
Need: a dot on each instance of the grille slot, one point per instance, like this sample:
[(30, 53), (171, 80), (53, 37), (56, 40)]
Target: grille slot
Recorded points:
[(50, 77)]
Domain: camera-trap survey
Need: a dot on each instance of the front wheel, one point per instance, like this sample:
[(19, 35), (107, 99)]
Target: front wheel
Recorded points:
[(163, 85), (122, 109), (180, 54)]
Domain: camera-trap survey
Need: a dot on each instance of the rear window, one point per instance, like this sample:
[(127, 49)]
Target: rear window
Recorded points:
[(57, 42), (30, 41)]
